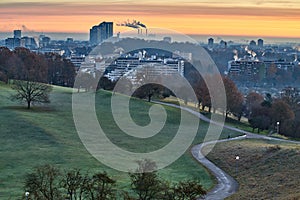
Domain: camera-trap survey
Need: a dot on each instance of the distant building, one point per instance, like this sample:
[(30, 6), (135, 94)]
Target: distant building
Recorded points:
[(101, 32), (210, 42), (12, 43), (155, 69), (70, 40), (127, 65), (185, 55), (17, 34), (44, 41), (77, 60), (223, 44), (245, 70), (167, 39), (281, 64), (253, 69), (28, 42), (19, 41), (252, 43), (290, 92), (260, 43), (50, 50)]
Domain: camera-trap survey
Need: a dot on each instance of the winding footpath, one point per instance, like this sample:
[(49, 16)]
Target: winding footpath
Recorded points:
[(226, 185)]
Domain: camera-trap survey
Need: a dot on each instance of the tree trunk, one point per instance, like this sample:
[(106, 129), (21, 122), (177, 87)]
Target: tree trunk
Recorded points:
[(28, 104)]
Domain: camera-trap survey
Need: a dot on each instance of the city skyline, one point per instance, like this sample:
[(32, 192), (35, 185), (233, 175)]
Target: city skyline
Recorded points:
[(271, 18)]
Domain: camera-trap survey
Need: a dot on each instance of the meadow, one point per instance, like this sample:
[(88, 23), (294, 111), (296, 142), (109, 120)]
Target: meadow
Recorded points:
[(46, 134)]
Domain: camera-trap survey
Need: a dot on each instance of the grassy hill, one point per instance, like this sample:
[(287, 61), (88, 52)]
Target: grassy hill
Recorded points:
[(266, 169), (47, 134)]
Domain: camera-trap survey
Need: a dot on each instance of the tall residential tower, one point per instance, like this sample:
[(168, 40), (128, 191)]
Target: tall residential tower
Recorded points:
[(17, 34), (101, 32)]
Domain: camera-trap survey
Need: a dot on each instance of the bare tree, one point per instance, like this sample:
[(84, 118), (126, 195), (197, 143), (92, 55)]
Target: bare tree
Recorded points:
[(234, 98), (31, 92), (43, 183), (145, 182), (147, 185), (100, 187), (253, 99), (188, 190), (147, 83), (74, 182)]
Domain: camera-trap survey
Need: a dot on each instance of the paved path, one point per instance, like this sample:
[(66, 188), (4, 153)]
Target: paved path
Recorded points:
[(226, 185)]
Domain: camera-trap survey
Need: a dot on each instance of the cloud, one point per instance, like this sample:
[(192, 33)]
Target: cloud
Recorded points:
[(121, 8)]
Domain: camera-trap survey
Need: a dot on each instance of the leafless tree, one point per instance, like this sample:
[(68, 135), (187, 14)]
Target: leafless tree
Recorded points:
[(31, 92)]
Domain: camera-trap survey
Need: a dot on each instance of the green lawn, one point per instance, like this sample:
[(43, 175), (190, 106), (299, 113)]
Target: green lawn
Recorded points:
[(47, 134)]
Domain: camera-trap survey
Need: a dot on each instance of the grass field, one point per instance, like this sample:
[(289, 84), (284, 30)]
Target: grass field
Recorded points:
[(265, 170), (46, 134)]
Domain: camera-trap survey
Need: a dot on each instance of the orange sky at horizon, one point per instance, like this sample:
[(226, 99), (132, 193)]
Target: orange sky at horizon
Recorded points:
[(196, 18)]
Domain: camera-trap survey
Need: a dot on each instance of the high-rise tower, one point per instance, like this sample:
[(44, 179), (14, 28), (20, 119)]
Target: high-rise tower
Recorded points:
[(260, 43), (17, 34), (101, 32)]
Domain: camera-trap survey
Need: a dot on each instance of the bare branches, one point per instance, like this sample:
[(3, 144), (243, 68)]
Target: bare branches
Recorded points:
[(31, 92)]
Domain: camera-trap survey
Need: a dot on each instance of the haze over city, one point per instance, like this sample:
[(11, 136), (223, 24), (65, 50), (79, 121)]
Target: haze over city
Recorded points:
[(237, 18)]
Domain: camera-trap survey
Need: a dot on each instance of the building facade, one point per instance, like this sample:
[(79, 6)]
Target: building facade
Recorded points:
[(210, 42), (17, 34), (101, 32), (260, 43)]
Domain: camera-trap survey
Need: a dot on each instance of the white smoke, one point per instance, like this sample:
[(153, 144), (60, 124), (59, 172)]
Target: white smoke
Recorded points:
[(134, 24), (236, 55), (251, 53)]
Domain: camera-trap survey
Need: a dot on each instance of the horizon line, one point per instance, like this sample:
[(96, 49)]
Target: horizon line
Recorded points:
[(189, 34)]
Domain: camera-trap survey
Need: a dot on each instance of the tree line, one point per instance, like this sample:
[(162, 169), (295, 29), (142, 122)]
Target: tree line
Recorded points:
[(277, 115), (22, 64), (33, 73), (50, 183)]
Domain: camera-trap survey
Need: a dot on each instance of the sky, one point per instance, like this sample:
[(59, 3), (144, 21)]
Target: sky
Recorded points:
[(272, 18)]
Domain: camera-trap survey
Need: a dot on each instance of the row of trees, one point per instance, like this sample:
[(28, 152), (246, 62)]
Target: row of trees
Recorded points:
[(32, 72), (279, 115), (263, 112), (234, 98), (22, 64), (49, 183), (146, 86)]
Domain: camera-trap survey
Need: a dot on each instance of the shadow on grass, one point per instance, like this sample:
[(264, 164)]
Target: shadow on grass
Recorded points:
[(36, 109)]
